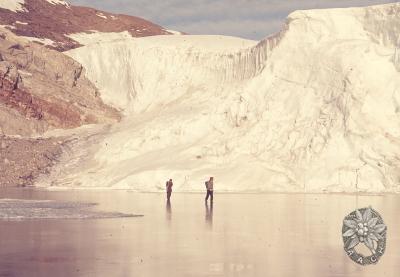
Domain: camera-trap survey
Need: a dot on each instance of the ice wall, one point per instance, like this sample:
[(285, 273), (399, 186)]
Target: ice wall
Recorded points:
[(313, 108), (135, 74)]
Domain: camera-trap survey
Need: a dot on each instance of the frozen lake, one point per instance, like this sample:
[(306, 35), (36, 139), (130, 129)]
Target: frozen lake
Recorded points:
[(241, 235)]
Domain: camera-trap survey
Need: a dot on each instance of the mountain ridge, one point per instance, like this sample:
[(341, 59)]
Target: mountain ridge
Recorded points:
[(50, 22)]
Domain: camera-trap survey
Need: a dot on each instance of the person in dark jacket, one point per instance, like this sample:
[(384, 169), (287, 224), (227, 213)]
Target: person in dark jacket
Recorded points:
[(210, 189), (168, 186)]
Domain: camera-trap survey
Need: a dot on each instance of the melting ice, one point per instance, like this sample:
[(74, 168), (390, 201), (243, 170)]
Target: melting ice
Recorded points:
[(17, 209)]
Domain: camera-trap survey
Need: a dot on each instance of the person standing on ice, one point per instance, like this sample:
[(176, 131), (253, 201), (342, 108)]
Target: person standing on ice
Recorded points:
[(169, 185), (210, 189)]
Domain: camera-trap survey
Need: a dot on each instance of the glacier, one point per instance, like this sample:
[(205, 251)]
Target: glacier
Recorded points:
[(313, 108)]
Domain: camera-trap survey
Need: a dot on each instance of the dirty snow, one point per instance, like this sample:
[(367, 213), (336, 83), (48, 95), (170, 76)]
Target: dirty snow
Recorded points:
[(18, 209)]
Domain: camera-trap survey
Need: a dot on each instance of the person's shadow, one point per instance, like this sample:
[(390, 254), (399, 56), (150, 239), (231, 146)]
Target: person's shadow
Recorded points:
[(209, 213), (169, 210)]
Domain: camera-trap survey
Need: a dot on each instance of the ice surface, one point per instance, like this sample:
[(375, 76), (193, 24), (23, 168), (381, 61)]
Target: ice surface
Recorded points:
[(246, 235), (17, 209), (313, 108)]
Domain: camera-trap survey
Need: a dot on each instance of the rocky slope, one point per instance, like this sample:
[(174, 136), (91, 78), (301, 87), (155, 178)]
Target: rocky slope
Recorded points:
[(42, 88), (51, 22), (24, 160)]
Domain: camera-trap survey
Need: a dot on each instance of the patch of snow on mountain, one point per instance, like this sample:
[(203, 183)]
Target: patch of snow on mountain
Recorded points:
[(96, 37), (8, 27), (174, 32), (44, 41), (59, 2), (13, 5), (101, 15)]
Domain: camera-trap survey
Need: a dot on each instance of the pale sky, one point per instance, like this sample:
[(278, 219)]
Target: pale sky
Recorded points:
[(252, 19)]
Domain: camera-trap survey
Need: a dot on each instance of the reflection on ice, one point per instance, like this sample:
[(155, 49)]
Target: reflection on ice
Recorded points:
[(169, 210), (209, 213), (16, 209)]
